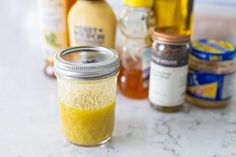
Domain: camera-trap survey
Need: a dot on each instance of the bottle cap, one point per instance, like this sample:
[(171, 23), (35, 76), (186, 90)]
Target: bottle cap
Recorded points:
[(170, 35), (139, 3), (213, 50), (86, 62)]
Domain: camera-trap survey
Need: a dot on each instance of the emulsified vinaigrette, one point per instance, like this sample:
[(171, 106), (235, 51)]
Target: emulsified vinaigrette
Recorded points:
[(87, 127)]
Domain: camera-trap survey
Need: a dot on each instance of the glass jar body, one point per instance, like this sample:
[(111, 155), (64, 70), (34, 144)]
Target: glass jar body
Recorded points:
[(168, 76), (87, 109), (210, 84)]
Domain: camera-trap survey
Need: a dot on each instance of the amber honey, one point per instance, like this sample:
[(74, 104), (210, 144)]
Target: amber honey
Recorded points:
[(132, 83)]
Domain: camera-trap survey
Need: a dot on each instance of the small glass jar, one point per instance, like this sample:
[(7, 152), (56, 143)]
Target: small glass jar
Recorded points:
[(169, 68), (87, 81), (212, 72)]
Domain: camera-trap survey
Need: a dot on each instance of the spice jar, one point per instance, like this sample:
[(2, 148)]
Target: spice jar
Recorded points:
[(168, 74), (87, 81), (211, 74)]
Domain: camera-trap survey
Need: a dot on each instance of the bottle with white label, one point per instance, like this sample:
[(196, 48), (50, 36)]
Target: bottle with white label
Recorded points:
[(169, 67), (53, 15)]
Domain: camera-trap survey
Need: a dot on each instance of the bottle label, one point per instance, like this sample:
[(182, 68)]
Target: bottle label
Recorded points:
[(168, 79), (53, 25), (211, 87), (88, 35), (146, 59)]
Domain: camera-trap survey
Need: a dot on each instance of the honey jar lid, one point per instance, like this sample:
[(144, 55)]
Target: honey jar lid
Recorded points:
[(171, 35), (86, 62), (213, 50), (139, 3)]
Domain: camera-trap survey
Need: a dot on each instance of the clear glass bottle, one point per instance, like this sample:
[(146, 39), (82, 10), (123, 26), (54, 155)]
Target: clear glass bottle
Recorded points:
[(175, 13), (87, 82), (92, 22), (169, 68), (53, 17), (136, 48)]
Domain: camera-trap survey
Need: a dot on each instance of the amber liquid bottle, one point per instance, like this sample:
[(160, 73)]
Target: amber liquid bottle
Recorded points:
[(135, 48), (131, 81), (71, 3)]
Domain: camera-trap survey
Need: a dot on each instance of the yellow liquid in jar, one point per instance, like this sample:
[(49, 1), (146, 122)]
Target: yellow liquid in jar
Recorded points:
[(88, 127)]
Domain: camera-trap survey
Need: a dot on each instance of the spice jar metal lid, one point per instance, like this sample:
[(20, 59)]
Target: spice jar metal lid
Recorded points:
[(171, 35), (213, 50), (86, 62)]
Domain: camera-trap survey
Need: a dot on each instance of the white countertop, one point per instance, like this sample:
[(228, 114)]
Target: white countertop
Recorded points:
[(29, 116)]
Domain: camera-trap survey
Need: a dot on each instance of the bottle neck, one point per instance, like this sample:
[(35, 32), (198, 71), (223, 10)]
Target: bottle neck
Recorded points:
[(92, 0)]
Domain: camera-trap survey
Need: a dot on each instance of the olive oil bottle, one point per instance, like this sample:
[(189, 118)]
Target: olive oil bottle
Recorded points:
[(174, 13)]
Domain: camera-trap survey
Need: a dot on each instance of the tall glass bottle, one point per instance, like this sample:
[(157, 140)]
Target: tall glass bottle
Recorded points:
[(92, 22), (53, 15), (174, 13), (136, 48)]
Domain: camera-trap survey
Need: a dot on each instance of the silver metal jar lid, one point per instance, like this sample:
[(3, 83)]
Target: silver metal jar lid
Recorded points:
[(86, 62)]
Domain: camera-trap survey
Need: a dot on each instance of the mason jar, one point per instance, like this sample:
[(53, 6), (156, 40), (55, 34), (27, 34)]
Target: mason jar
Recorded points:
[(87, 81)]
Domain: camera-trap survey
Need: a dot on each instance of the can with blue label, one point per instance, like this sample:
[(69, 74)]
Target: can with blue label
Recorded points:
[(211, 74)]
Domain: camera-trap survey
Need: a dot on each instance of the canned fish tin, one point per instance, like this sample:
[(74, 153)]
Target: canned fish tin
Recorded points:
[(87, 78), (211, 75)]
